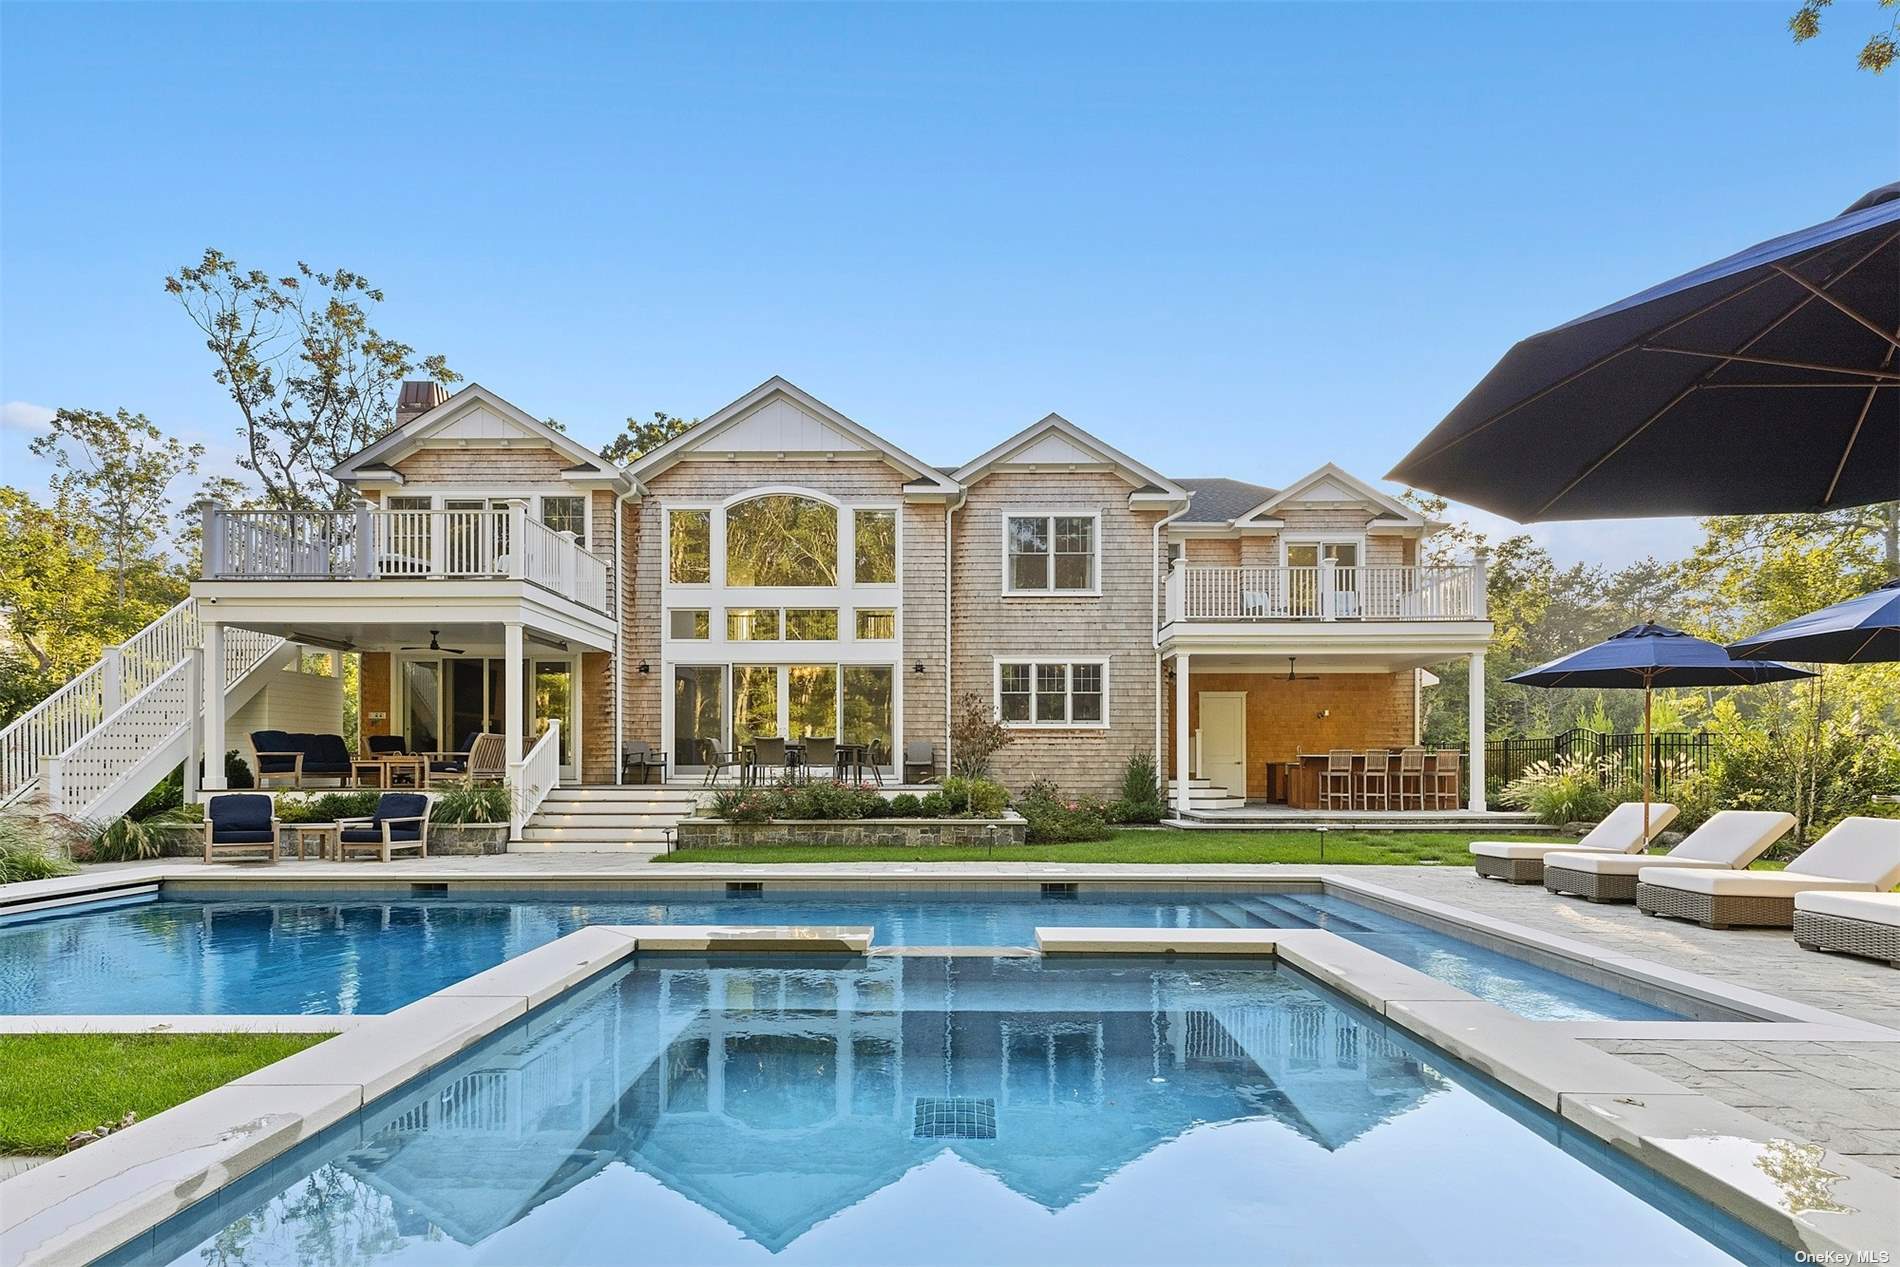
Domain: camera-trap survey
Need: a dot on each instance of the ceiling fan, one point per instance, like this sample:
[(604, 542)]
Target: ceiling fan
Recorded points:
[(434, 645), (1291, 676)]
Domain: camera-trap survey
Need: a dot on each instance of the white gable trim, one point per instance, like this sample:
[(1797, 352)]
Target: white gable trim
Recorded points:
[(371, 465), (1055, 443), (779, 417), (1331, 485)]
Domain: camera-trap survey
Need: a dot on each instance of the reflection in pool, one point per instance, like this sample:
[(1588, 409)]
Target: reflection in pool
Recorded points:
[(925, 1109)]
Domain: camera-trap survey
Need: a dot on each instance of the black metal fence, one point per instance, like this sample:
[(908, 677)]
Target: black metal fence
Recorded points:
[(1619, 756)]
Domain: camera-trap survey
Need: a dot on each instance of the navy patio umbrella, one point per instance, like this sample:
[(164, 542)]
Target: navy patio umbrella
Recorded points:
[(1649, 656), (1766, 382), (1862, 630)]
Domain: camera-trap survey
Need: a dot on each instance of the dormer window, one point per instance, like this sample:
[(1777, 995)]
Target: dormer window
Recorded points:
[(1051, 554)]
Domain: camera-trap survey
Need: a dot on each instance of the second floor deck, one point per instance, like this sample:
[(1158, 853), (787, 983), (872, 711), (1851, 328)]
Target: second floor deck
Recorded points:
[(1245, 595)]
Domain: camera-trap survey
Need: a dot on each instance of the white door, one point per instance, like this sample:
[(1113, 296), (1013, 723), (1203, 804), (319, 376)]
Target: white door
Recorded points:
[(1224, 740)]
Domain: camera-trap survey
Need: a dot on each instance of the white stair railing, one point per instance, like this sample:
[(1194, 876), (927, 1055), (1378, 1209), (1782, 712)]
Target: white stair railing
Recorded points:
[(534, 776), (81, 776)]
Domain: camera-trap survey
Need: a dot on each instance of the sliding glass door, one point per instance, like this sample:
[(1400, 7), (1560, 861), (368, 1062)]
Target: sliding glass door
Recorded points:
[(855, 703), (445, 701), (699, 713)]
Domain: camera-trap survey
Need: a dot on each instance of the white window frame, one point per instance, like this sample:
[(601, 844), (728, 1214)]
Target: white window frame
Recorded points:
[(715, 543), (1322, 540), (1032, 512), (534, 495), (1068, 722)]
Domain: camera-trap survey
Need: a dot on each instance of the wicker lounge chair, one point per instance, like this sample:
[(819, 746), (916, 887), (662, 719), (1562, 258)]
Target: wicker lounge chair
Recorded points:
[(1729, 841), (1621, 831), (1865, 924), (1859, 855)]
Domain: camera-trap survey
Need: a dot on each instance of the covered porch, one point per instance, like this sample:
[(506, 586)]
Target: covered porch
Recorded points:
[(1251, 725)]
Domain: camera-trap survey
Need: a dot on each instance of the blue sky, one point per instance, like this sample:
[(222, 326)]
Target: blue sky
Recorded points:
[(1232, 240)]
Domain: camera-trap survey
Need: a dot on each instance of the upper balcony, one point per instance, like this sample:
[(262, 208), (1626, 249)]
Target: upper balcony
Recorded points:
[(1325, 606), (416, 546)]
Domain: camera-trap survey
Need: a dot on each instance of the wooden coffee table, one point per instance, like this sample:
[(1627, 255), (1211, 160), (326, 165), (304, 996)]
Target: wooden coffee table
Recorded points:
[(327, 836)]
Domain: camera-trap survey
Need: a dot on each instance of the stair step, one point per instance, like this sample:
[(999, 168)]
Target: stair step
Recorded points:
[(609, 835), (641, 847), (1235, 915)]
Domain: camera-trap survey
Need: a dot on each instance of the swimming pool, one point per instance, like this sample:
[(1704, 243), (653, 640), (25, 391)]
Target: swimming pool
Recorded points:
[(316, 953), (925, 1109)]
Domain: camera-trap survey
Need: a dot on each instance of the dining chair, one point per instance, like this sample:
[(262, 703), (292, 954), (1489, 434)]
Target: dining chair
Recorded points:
[(1411, 776), (1336, 783), (819, 752), (768, 753), (1445, 778), (1377, 779)]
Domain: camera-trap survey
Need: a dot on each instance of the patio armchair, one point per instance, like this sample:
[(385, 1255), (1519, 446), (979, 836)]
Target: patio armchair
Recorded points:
[(1729, 841), (452, 764), (1858, 855), (819, 754), (919, 755), (1621, 831), (387, 746), (718, 760), (243, 823), (278, 757), (642, 756), (401, 821)]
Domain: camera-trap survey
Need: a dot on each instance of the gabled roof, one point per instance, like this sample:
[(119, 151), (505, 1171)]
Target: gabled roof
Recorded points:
[(1331, 485), (1218, 500), (779, 417), (477, 415), (1056, 442)]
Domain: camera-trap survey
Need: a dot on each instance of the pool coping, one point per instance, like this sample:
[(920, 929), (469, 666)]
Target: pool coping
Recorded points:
[(1767, 1017), (105, 1196)]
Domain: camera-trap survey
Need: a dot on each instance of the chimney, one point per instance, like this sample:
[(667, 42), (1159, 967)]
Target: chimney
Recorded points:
[(417, 399)]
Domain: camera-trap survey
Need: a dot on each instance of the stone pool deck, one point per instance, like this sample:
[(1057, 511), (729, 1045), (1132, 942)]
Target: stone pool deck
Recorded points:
[(1841, 1093)]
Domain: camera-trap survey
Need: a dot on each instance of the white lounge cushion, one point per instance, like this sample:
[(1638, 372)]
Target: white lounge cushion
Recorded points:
[(1722, 882), (1621, 831), (1603, 862), (1874, 908), (1856, 849)]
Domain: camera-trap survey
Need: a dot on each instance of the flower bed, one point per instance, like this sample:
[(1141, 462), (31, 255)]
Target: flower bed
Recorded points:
[(907, 833), (827, 812)]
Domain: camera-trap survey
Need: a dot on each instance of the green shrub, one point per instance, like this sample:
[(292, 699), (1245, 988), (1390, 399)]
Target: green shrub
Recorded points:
[(124, 840), (932, 805), (904, 805), (988, 798), (38, 846), (742, 805), (466, 801), (1565, 791), (326, 807), (1051, 818), (976, 735), (1141, 800)]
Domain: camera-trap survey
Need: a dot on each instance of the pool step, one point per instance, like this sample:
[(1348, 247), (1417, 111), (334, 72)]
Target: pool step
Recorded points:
[(1236, 914)]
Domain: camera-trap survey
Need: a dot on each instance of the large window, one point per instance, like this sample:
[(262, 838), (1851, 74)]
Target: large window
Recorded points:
[(1052, 692), (566, 514), (751, 624), (867, 708), (781, 539), (689, 547), (875, 533), (811, 624), (1050, 554)]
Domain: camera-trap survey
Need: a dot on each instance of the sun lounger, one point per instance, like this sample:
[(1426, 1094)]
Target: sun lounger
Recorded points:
[(1865, 924), (1858, 855), (1729, 841), (1621, 831)]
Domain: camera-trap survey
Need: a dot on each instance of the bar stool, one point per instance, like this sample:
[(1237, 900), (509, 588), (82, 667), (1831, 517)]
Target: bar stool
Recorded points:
[(1412, 768), (1377, 777), (1335, 789), (1445, 778)]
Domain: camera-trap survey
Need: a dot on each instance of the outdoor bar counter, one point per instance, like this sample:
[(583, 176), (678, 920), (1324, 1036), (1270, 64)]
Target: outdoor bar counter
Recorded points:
[(1298, 782)]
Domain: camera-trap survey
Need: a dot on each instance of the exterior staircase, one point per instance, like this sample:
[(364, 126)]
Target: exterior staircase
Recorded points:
[(629, 819), (92, 748), (1203, 794)]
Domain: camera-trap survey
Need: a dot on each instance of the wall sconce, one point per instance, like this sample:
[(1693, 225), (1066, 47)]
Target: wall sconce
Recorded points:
[(918, 668), (644, 668), (1324, 713)]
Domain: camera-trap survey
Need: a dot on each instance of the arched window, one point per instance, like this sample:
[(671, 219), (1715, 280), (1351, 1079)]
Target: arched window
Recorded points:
[(782, 539)]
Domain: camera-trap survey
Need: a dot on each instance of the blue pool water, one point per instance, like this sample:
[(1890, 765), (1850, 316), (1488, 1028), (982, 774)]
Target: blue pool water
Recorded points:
[(306, 953), (941, 1110)]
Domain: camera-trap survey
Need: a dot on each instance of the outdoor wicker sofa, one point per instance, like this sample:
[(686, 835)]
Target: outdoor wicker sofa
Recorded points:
[(1865, 924), (1729, 841), (1621, 831), (1858, 855)]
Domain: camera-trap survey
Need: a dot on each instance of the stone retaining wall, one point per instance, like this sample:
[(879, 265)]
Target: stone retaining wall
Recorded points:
[(854, 833)]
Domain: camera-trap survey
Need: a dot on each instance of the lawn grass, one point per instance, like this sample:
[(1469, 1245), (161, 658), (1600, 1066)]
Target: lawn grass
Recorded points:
[(1166, 846), (55, 1085)]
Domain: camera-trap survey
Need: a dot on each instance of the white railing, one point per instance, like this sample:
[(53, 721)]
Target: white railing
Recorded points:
[(494, 543), (68, 715), (1326, 592), (80, 777), (537, 774)]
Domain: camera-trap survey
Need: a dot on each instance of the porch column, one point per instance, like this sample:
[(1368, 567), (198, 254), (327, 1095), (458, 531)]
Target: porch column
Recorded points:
[(513, 723), (1181, 660), (214, 706), (1475, 692)]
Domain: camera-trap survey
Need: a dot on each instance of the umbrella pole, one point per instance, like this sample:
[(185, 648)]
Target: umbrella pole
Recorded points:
[(1649, 754)]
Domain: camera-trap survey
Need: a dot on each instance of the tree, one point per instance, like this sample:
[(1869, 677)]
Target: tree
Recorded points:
[(53, 593), (644, 437), (120, 468), (311, 377), (1878, 53)]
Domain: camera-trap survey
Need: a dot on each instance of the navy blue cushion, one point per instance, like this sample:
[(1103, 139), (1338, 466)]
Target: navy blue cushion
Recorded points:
[(324, 754), (468, 741), (241, 813), (401, 805), (229, 836), (452, 766), (363, 835), (273, 741), (388, 745)]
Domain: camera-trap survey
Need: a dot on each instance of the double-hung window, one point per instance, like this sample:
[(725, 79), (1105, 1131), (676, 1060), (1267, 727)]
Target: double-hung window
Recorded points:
[(1051, 554), (566, 514), (1052, 692)]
